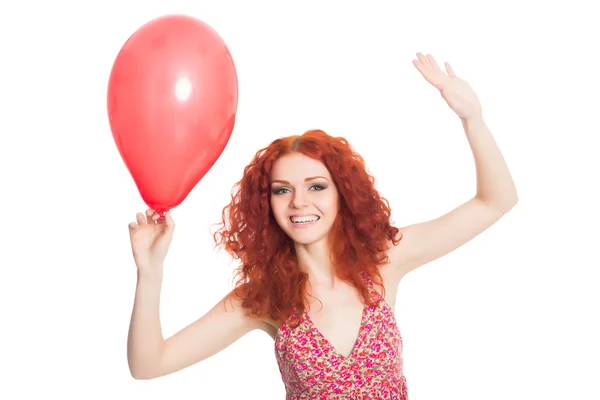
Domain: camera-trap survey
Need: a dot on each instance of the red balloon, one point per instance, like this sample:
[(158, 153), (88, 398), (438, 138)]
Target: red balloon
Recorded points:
[(172, 102)]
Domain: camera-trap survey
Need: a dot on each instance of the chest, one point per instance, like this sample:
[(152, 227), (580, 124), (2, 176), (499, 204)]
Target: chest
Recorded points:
[(327, 350), (337, 322)]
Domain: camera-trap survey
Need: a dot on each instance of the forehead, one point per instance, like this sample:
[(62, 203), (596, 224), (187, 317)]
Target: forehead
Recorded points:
[(296, 167)]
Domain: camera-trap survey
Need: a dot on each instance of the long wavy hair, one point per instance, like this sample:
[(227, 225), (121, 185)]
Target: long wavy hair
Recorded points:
[(270, 284)]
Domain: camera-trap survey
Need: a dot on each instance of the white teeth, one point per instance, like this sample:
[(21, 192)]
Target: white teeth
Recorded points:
[(304, 220)]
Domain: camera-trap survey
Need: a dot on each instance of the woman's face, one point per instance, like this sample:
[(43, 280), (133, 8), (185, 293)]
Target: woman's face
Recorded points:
[(304, 199)]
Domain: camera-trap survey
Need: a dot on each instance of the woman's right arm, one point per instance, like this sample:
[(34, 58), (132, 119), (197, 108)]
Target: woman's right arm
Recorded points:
[(151, 356)]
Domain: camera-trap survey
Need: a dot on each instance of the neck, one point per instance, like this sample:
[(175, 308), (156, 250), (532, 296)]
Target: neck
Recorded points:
[(314, 259)]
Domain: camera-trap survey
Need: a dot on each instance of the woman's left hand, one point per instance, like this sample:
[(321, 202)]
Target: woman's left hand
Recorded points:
[(458, 94)]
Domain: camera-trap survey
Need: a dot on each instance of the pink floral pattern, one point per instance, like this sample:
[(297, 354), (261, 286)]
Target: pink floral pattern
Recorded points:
[(311, 368)]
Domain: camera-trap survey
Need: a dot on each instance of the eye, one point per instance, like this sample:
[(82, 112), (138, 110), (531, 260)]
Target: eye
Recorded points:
[(283, 190)]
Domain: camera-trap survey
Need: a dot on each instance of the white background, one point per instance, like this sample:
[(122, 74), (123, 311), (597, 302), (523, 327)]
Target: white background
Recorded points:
[(513, 314)]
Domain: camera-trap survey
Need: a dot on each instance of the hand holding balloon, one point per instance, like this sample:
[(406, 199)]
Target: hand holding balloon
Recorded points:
[(150, 238), (172, 102)]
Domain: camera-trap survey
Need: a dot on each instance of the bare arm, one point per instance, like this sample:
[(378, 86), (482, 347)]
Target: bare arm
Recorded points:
[(496, 195), (151, 356)]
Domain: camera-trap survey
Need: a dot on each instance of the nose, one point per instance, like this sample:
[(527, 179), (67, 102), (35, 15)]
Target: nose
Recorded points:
[(298, 200)]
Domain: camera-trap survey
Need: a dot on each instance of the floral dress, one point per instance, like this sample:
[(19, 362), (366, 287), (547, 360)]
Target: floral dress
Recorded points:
[(311, 368)]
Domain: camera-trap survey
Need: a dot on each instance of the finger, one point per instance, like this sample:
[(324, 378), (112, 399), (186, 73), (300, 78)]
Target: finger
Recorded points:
[(133, 227), (168, 220), (422, 58), (151, 216), (418, 65), (140, 218), (432, 61), (449, 70), (422, 67)]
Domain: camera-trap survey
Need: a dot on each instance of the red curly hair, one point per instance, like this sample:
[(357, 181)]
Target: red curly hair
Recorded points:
[(271, 285)]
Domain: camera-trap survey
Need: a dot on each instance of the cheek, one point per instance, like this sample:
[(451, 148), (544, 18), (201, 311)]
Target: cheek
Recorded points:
[(329, 204), (277, 207)]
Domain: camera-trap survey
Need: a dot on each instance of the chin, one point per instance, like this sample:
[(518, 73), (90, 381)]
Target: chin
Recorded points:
[(306, 238), (304, 241)]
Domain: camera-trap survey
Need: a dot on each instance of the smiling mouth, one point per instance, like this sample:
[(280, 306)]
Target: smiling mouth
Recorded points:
[(304, 220)]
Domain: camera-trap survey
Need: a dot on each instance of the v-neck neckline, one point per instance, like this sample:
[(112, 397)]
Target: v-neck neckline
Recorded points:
[(357, 341)]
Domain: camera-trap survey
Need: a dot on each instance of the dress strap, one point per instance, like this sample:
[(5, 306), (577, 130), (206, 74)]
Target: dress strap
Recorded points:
[(371, 285)]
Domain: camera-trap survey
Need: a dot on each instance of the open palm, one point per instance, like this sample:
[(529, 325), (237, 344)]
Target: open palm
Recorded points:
[(458, 93)]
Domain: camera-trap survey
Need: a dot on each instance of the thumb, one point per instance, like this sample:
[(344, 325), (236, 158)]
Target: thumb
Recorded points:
[(167, 221)]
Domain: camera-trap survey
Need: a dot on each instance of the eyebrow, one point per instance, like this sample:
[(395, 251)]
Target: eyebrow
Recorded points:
[(312, 178)]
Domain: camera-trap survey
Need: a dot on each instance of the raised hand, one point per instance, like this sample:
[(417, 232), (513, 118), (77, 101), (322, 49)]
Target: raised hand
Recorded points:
[(458, 93), (150, 240)]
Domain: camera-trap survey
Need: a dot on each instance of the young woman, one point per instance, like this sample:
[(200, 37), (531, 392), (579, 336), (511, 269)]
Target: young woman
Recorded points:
[(320, 262)]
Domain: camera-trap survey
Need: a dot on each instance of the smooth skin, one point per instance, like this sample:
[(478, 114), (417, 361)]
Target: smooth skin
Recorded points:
[(151, 356)]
